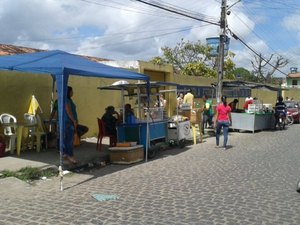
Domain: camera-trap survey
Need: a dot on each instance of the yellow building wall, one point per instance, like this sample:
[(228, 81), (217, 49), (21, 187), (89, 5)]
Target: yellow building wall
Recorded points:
[(265, 96), (195, 81), (192, 80), (162, 73), (292, 93), (16, 90)]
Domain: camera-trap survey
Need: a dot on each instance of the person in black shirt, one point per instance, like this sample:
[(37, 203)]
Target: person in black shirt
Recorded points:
[(110, 119), (233, 105), (280, 108)]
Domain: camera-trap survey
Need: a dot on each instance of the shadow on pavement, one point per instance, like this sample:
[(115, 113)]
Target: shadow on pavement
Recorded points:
[(90, 161)]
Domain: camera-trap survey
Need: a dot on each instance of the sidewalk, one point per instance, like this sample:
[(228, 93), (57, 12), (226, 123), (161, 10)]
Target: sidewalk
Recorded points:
[(85, 154)]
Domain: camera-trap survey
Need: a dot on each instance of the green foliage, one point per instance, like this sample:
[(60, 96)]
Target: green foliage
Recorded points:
[(244, 74), (7, 173), (229, 68), (28, 173), (193, 59), (198, 69), (158, 60)]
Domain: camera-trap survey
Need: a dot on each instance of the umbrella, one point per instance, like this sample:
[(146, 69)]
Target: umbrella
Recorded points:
[(34, 105)]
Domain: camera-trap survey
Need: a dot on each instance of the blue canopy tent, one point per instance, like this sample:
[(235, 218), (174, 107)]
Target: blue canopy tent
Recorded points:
[(60, 65)]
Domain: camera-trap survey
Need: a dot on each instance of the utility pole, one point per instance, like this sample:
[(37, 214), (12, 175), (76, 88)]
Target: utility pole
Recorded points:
[(223, 37)]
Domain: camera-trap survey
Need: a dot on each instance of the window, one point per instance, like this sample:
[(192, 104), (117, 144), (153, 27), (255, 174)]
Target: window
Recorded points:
[(294, 82)]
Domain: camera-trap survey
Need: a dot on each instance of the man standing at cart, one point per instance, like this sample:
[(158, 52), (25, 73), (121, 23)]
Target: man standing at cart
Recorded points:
[(207, 113), (189, 98)]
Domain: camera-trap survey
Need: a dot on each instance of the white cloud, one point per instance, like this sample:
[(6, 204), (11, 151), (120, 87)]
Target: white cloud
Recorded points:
[(125, 29), (292, 22)]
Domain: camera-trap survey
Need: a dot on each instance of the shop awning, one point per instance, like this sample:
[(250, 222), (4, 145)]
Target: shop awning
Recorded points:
[(246, 84)]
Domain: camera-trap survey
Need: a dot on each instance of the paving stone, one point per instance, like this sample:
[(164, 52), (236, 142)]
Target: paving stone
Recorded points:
[(251, 183)]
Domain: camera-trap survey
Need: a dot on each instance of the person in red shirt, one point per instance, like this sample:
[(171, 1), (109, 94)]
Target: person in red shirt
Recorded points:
[(248, 101), (222, 120)]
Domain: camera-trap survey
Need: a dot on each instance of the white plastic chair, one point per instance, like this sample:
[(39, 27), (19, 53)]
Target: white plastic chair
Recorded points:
[(36, 130), (10, 131)]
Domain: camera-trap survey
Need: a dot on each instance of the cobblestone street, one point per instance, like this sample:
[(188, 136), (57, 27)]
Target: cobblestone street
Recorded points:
[(253, 182)]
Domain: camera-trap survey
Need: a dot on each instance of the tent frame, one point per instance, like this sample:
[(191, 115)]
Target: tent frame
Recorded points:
[(60, 65)]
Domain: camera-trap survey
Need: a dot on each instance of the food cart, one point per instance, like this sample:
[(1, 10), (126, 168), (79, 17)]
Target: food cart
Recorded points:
[(179, 131), (151, 125)]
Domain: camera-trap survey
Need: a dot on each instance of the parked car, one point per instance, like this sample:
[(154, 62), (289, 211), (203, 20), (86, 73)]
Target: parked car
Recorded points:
[(293, 109)]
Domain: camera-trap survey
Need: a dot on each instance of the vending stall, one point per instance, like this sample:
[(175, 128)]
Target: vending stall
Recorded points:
[(151, 124), (258, 115)]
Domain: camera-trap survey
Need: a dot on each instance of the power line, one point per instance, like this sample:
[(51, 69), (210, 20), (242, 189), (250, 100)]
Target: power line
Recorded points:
[(177, 12), (118, 5), (158, 5), (251, 49), (276, 9), (142, 38)]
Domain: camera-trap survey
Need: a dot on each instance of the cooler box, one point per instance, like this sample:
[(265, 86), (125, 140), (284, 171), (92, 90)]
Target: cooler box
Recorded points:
[(126, 155), (195, 116), (186, 113)]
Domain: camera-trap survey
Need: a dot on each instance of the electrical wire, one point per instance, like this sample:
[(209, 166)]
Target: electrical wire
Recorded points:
[(255, 52), (142, 38), (176, 11), (183, 14), (276, 9)]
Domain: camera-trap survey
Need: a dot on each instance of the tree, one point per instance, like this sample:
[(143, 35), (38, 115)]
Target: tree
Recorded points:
[(245, 74), (193, 59), (264, 69)]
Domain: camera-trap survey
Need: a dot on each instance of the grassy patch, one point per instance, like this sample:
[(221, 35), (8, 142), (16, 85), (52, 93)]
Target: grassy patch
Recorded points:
[(29, 173)]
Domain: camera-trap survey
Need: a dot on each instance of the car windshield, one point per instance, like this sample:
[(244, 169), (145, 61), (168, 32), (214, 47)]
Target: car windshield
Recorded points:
[(291, 104)]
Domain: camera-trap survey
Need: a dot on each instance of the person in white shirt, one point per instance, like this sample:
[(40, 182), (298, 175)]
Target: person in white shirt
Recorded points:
[(180, 100), (162, 101)]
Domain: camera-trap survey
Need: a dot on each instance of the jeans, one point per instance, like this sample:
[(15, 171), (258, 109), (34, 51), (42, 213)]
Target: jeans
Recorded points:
[(206, 119), (225, 125), (69, 137), (81, 130)]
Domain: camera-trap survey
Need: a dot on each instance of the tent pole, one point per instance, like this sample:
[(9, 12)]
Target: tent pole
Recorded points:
[(139, 102), (52, 102), (147, 136), (148, 118), (123, 105)]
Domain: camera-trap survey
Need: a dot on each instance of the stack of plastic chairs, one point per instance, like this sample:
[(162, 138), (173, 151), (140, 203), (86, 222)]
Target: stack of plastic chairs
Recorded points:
[(36, 131)]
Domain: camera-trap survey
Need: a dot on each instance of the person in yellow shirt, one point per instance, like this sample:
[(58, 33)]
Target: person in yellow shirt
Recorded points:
[(189, 98)]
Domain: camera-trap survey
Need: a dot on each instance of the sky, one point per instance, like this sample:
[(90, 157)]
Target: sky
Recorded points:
[(131, 30)]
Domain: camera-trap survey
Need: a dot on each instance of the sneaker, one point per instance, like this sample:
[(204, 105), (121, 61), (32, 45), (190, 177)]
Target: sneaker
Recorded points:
[(224, 147)]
